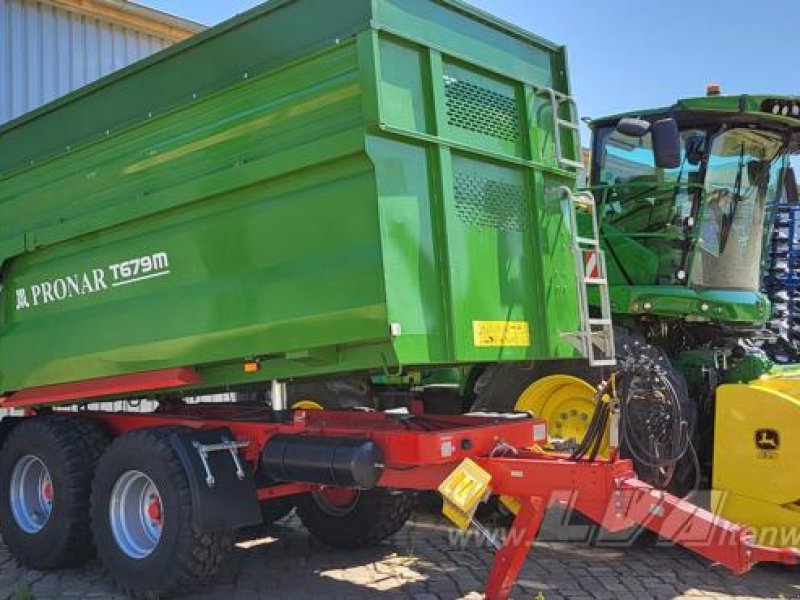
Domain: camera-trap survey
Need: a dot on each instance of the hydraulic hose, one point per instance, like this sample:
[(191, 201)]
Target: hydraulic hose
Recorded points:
[(653, 430)]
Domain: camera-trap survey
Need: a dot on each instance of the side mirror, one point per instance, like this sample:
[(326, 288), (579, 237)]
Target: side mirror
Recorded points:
[(790, 185), (666, 143), (632, 127)]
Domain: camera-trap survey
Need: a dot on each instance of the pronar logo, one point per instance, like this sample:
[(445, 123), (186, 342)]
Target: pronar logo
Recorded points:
[(93, 281)]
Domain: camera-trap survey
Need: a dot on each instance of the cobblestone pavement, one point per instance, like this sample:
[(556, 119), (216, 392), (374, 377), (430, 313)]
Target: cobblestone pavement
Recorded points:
[(426, 561)]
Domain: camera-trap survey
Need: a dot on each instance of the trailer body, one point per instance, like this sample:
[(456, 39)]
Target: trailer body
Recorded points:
[(317, 191)]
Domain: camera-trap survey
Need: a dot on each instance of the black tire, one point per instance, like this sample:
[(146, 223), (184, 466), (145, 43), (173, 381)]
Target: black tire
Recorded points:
[(183, 557), (330, 394), (69, 446), (277, 509), (272, 511), (374, 516), (498, 388)]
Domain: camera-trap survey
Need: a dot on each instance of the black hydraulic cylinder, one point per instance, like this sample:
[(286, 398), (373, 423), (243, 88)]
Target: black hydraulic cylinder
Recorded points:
[(339, 461)]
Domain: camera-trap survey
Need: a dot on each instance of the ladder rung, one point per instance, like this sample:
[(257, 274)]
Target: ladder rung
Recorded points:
[(604, 362), (595, 281), (568, 162), (587, 241), (600, 322), (568, 124), (584, 201)]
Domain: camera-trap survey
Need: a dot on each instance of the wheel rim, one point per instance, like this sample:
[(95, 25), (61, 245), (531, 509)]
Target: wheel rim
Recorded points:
[(566, 402), (336, 501), (307, 405), (32, 494), (136, 514)]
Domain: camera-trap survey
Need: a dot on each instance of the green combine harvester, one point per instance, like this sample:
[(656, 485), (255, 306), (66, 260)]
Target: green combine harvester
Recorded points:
[(685, 228), (686, 237), (319, 209)]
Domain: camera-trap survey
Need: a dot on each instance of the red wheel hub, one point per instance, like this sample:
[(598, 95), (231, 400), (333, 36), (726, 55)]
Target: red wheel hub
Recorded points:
[(47, 491), (154, 510), (340, 497)]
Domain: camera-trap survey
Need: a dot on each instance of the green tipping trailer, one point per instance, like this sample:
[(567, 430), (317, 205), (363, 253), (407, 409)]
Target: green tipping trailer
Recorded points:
[(378, 195), (317, 191)]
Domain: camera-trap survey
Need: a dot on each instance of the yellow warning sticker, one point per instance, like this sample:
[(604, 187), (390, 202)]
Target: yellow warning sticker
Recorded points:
[(501, 333)]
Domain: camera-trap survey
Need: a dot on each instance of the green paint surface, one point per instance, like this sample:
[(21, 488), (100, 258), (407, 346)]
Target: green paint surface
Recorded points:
[(325, 191)]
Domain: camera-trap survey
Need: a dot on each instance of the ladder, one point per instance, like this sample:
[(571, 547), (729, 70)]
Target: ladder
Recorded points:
[(556, 101), (596, 337)]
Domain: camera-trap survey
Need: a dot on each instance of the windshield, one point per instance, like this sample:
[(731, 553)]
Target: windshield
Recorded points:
[(741, 184), (702, 222)]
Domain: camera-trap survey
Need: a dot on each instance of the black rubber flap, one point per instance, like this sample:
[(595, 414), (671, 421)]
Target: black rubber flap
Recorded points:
[(231, 503)]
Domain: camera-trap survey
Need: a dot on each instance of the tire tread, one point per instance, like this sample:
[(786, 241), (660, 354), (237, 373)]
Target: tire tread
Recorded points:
[(384, 513), (80, 442), (199, 554)]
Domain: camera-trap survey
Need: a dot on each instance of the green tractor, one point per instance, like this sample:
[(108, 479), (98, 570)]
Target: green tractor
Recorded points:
[(685, 198)]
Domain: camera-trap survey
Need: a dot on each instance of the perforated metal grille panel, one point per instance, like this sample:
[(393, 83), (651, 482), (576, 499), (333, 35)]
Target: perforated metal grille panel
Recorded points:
[(479, 109), (489, 203)]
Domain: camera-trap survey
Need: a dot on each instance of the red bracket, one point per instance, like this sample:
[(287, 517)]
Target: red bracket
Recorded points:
[(511, 556), (283, 490), (104, 386)]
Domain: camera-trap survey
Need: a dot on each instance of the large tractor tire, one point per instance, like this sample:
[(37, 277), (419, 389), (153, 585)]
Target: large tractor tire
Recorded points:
[(349, 519), (277, 509), (563, 393), (316, 394), (46, 469), (142, 519)]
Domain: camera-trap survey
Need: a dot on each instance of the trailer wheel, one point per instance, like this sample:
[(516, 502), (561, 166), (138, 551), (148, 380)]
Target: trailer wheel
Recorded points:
[(46, 469), (349, 519), (277, 509), (142, 519)]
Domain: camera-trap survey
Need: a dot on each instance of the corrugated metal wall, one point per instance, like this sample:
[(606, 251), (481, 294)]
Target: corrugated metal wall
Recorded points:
[(46, 51)]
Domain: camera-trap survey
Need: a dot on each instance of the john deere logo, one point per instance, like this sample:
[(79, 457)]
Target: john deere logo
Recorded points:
[(767, 439)]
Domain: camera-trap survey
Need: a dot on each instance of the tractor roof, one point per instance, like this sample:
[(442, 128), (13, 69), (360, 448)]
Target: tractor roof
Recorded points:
[(784, 110)]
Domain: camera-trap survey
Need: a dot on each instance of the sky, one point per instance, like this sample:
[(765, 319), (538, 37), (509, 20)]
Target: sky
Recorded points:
[(634, 54)]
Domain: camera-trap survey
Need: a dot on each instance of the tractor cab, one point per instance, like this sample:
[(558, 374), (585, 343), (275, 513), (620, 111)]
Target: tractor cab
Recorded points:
[(686, 198)]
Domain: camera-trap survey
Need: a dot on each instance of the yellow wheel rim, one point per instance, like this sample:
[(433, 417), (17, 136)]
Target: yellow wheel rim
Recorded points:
[(567, 404), (307, 405)]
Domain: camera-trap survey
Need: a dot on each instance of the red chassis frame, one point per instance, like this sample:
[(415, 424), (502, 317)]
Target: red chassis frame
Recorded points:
[(420, 451)]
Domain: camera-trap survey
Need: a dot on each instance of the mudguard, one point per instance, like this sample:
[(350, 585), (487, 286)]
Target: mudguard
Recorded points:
[(231, 502)]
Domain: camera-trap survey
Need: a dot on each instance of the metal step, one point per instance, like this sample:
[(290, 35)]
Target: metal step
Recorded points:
[(604, 362), (600, 322), (568, 124)]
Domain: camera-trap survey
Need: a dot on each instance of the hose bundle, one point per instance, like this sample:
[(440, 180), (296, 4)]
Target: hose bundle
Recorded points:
[(653, 429), (593, 439)]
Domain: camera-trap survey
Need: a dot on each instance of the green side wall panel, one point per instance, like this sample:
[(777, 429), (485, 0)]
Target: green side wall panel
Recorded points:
[(334, 192)]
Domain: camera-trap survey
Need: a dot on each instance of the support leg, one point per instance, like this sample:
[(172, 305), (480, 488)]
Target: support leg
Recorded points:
[(509, 559)]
